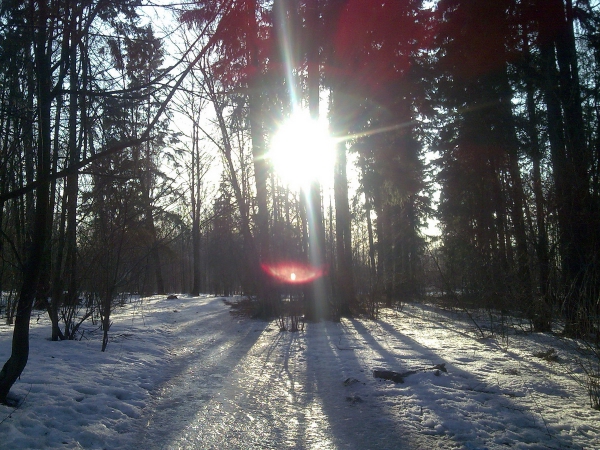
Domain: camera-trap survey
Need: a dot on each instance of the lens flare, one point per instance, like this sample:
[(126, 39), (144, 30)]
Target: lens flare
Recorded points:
[(293, 272)]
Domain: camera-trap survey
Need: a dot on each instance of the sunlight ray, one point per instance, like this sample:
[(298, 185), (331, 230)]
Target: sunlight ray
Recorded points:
[(285, 42), (375, 131)]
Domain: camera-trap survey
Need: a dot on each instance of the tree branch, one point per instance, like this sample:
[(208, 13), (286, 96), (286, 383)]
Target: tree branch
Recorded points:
[(120, 146)]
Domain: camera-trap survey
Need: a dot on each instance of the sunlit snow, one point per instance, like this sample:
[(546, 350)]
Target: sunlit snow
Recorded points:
[(187, 373)]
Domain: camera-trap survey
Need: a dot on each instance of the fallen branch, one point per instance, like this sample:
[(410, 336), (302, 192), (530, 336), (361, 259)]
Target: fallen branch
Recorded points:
[(398, 377)]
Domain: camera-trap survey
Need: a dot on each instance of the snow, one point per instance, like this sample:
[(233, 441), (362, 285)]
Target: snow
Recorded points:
[(187, 373)]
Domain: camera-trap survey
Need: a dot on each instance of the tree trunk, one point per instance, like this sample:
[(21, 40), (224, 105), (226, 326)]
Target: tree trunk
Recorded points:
[(195, 196), (32, 269), (155, 251), (195, 205), (343, 238), (569, 157), (577, 228), (543, 307), (72, 188), (266, 294), (105, 321), (384, 249), (196, 243), (57, 283), (372, 267), (318, 299)]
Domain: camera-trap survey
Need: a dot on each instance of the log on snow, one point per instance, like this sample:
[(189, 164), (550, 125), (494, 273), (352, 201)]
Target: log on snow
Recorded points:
[(398, 377)]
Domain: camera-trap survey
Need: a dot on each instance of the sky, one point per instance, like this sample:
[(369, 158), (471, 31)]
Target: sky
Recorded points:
[(165, 25), (187, 373)]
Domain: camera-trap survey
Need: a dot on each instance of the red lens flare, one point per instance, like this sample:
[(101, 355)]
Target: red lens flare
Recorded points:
[(292, 272)]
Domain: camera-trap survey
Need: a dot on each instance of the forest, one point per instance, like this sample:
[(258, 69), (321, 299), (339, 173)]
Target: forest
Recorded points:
[(135, 142)]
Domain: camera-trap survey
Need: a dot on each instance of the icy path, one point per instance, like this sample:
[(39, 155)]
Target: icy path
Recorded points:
[(186, 374), (235, 383), (238, 383)]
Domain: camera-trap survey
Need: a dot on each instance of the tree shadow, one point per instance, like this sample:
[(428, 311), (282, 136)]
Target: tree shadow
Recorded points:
[(533, 364), (198, 368), (448, 391), (338, 379), (247, 385)]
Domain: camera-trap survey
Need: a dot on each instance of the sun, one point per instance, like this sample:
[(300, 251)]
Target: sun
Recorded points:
[(302, 151)]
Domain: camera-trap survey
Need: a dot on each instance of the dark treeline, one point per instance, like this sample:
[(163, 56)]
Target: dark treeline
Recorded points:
[(103, 192)]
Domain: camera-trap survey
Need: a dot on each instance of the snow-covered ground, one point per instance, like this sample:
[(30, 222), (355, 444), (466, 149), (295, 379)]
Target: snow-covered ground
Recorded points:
[(187, 373)]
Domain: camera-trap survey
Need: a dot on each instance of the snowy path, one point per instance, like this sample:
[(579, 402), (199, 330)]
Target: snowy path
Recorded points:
[(187, 374), (239, 383), (236, 383)]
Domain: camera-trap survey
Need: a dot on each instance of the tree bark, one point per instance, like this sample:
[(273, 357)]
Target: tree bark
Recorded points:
[(13, 368), (72, 189), (195, 205), (372, 266), (318, 296), (265, 292), (569, 156), (543, 315), (343, 237)]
